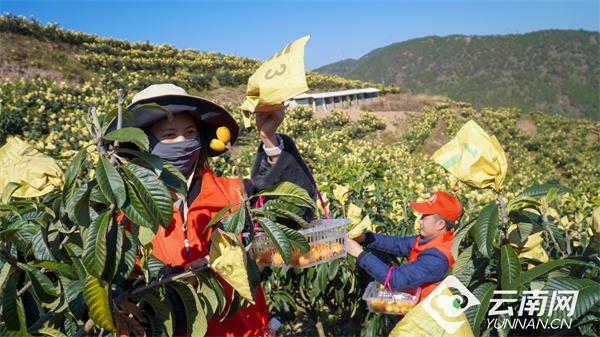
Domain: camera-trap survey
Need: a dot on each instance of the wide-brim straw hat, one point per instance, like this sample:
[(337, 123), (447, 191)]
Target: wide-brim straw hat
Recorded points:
[(210, 116)]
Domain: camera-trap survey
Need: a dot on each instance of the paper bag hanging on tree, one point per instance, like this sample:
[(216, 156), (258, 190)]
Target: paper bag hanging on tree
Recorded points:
[(365, 225), (474, 157), (278, 79), (35, 172), (228, 259)]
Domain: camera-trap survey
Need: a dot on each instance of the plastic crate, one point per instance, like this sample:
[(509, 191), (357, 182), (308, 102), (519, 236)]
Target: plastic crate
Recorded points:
[(381, 300), (326, 239)]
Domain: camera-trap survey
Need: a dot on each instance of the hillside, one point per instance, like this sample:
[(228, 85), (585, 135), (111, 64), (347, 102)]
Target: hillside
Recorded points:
[(29, 48), (554, 71)]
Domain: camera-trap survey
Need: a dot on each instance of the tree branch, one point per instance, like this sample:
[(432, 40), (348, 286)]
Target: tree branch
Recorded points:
[(161, 282), (504, 217), (119, 113)]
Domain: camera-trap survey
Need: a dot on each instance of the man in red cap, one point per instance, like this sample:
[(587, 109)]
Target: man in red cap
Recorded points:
[(429, 253)]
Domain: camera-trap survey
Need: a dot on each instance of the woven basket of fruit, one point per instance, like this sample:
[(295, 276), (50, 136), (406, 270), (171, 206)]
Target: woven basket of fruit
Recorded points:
[(326, 240), (382, 300)]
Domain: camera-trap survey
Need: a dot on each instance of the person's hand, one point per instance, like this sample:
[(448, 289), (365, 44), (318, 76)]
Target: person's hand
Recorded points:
[(267, 123), (353, 248)]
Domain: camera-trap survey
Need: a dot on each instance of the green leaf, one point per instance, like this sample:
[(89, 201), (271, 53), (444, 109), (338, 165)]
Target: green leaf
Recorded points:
[(277, 237), (556, 233), (218, 217), (474, 269), (153, 194), (540, 190), (96, 298), (156, 163), (587, 298), (5, 273), (521, 202), (285, 214), (154, 266), (73, 292), (510, 267), (219, 291), (72, 172), (234, 305), (174, 180), (234, 222), (297, 240), (6, 235), (162, 312), (78, 204), (334, 267), (49, 332), (13, 314), (97, 196), (276, 204), (75, 253), (547, 267), (520, 236), (8, 191), (10, 208), (128, 260), (110, 182), (94, 248), (111, 115), (24, 234), (194, 315), (42, 285), (136, 211), (142, 235), (477, 313), (129, 135), (114, 245), (70, 326), (289, 192), (208, 296), (462, 260), (486, 228), (40, 248), (61, 269), (459, 235)]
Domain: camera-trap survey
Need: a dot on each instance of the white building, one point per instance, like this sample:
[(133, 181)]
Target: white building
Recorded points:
[(322, 101)]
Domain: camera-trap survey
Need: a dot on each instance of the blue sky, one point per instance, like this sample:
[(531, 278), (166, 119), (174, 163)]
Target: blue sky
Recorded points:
[(339, 29)]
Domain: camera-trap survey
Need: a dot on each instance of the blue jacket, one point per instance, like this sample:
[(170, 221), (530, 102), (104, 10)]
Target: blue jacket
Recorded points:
[(430, 266)]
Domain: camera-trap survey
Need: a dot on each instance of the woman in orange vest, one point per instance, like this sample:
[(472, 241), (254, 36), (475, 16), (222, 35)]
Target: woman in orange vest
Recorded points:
[(184, 142), (429, 253)]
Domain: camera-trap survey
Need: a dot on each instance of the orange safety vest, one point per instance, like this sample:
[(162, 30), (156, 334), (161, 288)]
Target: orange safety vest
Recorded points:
[(167, 246), (443, 243)]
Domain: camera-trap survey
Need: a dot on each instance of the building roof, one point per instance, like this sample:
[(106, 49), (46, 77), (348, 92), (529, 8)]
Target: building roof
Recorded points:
[(316, 95)]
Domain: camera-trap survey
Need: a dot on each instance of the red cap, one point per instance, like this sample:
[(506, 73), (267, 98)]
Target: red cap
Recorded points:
[(440, 203)]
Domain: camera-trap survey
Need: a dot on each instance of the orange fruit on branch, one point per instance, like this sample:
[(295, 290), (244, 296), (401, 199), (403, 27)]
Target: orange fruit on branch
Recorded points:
[(217, 145), (223, 134), (277, 259), (337, 249), (303, 261)]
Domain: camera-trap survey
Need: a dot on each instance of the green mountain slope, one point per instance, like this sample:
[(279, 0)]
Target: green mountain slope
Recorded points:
[(555, 71)]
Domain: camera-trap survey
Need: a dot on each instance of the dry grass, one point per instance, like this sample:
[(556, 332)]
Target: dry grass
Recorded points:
[(527, 125), (436, 139), (401, 102), (224, 95), (29, 57)]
